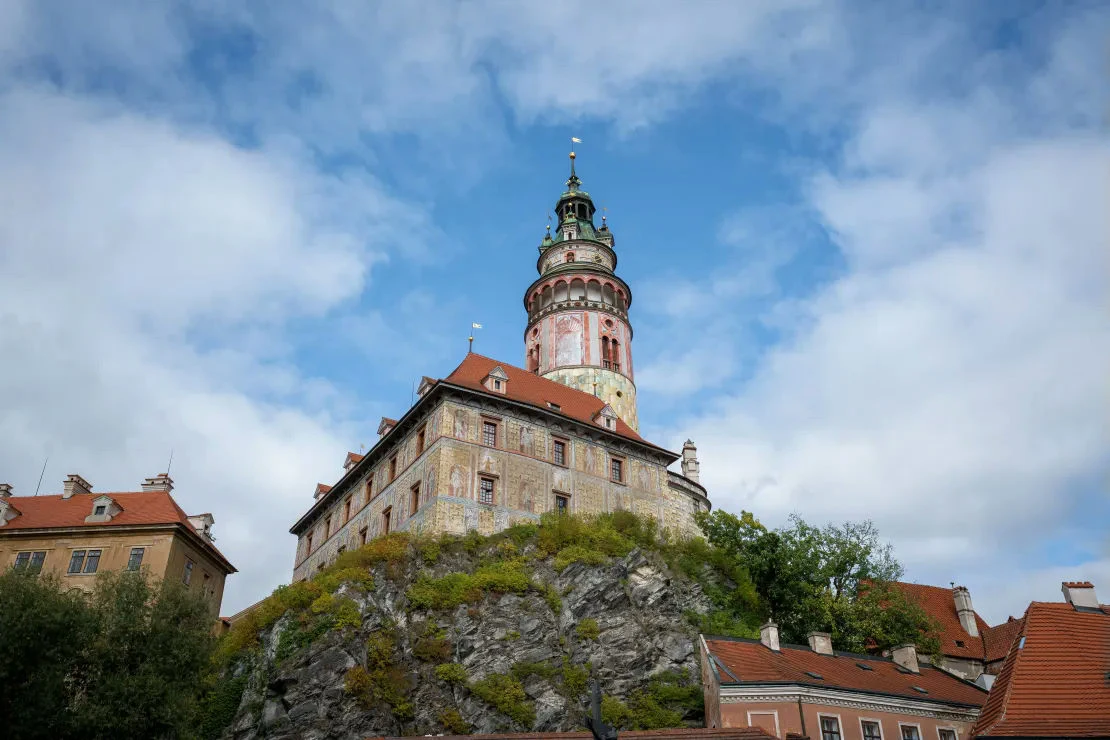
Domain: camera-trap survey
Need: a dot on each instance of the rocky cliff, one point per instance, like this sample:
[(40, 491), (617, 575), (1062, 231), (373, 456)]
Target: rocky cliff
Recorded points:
[(457, 635)]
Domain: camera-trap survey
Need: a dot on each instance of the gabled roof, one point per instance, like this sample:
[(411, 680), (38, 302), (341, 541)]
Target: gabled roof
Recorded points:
[(940, 604), (529, 388), (997, 639), (1056, 680), (139, 508), (752, 663)]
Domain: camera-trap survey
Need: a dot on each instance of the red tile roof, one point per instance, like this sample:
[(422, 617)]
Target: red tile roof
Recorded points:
[(138, 508), (1057, 683), (353, 458), (531, 389), (751, 662), (940, 604), (680, 733), (997, 639)]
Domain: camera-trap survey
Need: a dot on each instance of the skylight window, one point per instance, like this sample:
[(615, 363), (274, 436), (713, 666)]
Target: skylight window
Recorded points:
[(1021, 643), (865, 667), (818, 676), (920, 690), (960, 643), (555, 406)]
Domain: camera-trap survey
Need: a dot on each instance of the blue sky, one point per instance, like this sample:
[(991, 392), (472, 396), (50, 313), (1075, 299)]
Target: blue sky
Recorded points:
[(865, 243)]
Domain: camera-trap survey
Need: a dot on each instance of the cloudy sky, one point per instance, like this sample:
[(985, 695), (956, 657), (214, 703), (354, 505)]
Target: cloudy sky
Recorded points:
[(867, 244)]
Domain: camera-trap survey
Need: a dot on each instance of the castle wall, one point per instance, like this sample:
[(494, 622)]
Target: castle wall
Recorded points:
[(521, 465)]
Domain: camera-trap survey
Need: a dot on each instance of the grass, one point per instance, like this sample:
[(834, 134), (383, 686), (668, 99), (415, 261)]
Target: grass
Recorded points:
[(587, 629), (506, 694)]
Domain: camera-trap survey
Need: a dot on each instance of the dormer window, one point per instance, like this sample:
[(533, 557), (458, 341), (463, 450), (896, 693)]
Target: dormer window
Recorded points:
[(607, 417), (497, 380), (103, 509)]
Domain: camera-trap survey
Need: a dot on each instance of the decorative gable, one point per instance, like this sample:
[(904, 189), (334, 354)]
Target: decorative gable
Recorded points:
[(497, 380), (386, 426), (103, 509), (426, 384), (607, 417)]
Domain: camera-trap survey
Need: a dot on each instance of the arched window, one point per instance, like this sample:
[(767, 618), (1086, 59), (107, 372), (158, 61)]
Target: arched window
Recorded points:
[(609, 295), (546, 297), (615, 355), (605, 352), (560, 292), (577, 290), (593, 290), (570, 256)]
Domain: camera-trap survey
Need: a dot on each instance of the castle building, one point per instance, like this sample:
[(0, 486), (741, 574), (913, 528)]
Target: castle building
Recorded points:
[(492, 444)]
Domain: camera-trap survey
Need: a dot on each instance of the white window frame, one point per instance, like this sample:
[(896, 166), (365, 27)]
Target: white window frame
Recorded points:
[(911, 724), (953, 730), (839, 724), (765, 712), (879, 722)]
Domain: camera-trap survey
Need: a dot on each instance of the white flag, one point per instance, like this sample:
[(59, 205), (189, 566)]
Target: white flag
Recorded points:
[(576, 140), (475, 326)]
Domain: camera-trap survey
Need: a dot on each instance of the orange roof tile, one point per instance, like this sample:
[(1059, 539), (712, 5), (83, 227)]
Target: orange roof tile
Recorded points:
[(531, 389), (940, 604), (752, 662), (997, 639), (138, 508), (1056, 680)]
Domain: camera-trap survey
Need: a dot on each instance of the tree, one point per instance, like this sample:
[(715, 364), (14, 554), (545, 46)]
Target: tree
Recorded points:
[(833, 579), (126, 662)]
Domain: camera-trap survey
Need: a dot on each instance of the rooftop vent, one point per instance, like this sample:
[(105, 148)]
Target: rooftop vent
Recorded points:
[(920, 690), (818, 676), (555, 406), (960, 643)]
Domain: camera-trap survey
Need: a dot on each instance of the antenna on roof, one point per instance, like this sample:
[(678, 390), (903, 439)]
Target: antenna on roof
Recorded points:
[(169, 463), (42, 474)]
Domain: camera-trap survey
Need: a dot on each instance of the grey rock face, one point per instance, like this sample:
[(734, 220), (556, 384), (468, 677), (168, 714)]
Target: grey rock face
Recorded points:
[(643, 631)]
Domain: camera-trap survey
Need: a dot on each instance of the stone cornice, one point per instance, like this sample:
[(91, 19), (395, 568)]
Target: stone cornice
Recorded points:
[(847, 699)]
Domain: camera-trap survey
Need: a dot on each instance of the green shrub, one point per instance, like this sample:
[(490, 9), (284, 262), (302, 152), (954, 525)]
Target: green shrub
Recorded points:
[(542, 669), (511, 636), (332, 578), (575, 679), (432, 650), (551, 596), (451, 673), (453, 722), (506, 694), (578, 554), (323, 603), (381, 680), (587, 629), (346, 613), (220, 704), (502, 576)]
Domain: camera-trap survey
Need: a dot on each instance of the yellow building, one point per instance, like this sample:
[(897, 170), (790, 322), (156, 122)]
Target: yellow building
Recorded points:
[(79, 534)]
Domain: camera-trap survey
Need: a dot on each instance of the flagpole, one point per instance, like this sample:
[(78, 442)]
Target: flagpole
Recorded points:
[(470, 346)]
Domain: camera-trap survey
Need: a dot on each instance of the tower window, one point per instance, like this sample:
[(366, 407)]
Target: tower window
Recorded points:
[(485, 490), (570, 256), (559, 452), (616, 470)]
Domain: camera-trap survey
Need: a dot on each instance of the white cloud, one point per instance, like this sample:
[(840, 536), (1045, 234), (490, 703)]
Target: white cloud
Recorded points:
[(147, 272)]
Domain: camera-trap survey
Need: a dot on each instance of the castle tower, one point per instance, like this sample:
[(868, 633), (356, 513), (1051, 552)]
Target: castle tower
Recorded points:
[(578, 331)]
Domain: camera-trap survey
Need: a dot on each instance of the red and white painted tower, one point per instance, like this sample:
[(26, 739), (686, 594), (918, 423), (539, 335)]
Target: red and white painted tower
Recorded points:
[(578, 331)]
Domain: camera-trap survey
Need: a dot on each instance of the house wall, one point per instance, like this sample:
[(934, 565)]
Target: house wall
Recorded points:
[(203, 565), (807, 721), (163, 556), (525, 476)]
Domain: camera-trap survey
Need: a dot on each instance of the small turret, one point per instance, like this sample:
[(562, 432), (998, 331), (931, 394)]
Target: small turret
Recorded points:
[(691, 468)]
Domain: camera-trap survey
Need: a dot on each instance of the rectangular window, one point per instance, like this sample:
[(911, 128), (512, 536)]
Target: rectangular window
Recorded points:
[(485, 490), (136, 558), (420, 441), (415, 496), (99, 510), (392, 467), (562, 504), (362, 536), (32, 561), (370, 488), (308, 543), (187, 575), (92, 561), (616, 470), (946, 734), (560, 452), (910, 732), (871, 730), (76, 560), (327, 528), (489, 433), (347, 510), (385, 519), (830, 728)]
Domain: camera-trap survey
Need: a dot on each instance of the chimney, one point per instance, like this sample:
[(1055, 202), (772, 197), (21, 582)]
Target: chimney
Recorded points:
[(906, 656), (690, 465), (1080, 593), (820, 642), (5, 491), (202, 523), (75, 484), (161, 482), (964, 611), (769, 635)]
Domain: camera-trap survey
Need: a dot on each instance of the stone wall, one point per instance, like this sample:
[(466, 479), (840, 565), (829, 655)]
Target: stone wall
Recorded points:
[(613, 388)]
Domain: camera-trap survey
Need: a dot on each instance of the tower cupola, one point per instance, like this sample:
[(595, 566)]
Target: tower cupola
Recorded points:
[(578, 329)]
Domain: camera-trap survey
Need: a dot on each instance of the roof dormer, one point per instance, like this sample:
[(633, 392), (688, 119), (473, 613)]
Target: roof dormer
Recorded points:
[(386, 426), (426, 384), (352, 459), (202, 523), (497, 381), (103, 509), (7, 511), (607, 417), (321, 491)]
